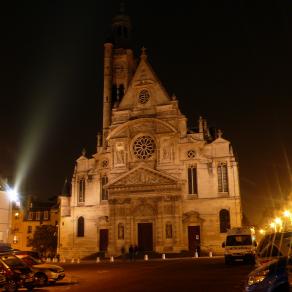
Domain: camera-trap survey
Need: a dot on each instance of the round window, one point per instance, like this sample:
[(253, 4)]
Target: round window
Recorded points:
[(144, 147), (144, 96)]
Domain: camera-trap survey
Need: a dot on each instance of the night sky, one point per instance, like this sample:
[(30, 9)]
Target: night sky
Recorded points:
[(229, 61)]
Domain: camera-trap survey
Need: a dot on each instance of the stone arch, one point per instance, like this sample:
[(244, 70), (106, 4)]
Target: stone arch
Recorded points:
[(131, 123)]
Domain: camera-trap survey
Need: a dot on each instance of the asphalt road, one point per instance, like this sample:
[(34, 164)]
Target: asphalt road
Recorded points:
[(201, 274)]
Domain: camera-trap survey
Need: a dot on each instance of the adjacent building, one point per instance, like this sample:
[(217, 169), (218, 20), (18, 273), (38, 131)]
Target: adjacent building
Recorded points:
[(152, 182)]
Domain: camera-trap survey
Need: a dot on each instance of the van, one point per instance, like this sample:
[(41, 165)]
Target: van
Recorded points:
[(239, 244), (273, 246)]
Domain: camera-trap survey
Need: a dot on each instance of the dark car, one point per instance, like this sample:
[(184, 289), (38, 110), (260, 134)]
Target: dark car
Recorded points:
[(17, 274), (270, 277)]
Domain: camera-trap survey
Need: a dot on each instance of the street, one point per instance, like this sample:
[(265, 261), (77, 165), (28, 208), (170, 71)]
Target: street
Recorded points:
[(188, 274)]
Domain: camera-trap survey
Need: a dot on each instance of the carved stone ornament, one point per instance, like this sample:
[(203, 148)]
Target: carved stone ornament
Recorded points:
[(143, 177)]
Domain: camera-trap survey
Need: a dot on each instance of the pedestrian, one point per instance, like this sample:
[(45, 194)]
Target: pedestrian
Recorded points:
[(135, 251), (131, 252)]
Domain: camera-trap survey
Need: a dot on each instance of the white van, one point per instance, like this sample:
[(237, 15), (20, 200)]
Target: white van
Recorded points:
[(239, 244)]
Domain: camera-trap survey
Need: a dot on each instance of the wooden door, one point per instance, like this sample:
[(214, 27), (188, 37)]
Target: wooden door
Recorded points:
[(194, 238), (103, 239), (145, 236)]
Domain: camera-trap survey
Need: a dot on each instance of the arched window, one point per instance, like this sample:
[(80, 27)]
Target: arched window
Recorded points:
[(121, 231), (168, 230), (222, 178), (224, 217), (104, 192), (81, 190), (80, 227)]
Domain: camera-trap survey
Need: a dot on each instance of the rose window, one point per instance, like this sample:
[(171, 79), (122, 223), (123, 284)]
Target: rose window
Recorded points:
[(144, 96), (191, 154), (144, 147)]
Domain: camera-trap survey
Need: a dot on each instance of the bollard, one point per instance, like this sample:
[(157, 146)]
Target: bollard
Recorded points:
[(163, 256), (196, 254), (98, 260), (78, 261), (48, 260), (146, 257), (73, 260), (112, 259), (63, 260), (210, 254), (55, 260)]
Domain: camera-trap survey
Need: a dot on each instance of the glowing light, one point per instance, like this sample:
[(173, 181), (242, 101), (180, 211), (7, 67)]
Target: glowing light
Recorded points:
[(273, 225), (13, 195), (278, 221), (262, 231), (287, 213)]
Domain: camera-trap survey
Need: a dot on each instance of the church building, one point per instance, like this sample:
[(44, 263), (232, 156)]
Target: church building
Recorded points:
[(152, 182)]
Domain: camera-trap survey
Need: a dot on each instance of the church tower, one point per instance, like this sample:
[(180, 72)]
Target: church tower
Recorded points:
[(119, 65)]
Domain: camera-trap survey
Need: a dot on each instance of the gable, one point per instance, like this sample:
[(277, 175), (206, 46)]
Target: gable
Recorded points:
[(143, 177), (144, 81)]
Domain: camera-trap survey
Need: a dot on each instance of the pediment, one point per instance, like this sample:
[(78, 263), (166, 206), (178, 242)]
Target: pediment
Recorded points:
[(143, 177), (144, 79)]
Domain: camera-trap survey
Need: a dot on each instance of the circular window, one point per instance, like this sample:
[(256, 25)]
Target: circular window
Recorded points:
[(144, 147), (191, 154), (144, 96)]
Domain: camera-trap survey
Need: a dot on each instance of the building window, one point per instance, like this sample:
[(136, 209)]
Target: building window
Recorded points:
[(81, 191), (80, 227), (46, 215), (192, 180), (104, 192), (29, 229), (30, 216), (224, 217), (168, 230), (121, 231), (38, 216), (222, 178), (15, 239)]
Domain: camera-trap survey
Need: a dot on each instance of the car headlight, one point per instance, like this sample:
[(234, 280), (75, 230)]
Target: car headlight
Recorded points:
[(258, 277)]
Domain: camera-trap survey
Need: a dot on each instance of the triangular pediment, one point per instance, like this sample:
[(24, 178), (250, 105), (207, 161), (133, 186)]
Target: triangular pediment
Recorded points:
[(144, 79), (143, 177)]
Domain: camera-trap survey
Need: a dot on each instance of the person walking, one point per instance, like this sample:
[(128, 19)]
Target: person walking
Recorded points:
[(131, 252)]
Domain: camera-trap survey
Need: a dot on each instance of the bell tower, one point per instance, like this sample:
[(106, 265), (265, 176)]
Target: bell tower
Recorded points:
[(119, 65)]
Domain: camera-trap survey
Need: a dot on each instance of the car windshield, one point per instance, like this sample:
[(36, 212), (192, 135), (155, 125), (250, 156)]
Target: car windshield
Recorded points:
[(29, 260), (13, 261), (234, 240)]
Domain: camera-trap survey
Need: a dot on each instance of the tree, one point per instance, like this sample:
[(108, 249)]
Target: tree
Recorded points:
[(45, 239)]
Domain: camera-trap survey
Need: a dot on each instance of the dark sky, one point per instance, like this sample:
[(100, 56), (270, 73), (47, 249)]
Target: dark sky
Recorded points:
[(229, 61)]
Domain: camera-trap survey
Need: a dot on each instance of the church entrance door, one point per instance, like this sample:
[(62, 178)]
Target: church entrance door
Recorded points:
[(194, 238), (145, 236), (103, 239)]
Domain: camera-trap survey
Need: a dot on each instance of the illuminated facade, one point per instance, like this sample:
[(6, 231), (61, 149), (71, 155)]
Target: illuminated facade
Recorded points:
[(24, 221), (152, 181)]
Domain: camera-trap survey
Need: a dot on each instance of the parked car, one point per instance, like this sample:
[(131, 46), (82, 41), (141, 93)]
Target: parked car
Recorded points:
[(43, 272), (273, 246), (34, 254), (17, 274), (269, 277)]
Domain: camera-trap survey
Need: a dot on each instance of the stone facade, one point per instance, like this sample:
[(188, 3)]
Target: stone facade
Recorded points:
[(152, 182)]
